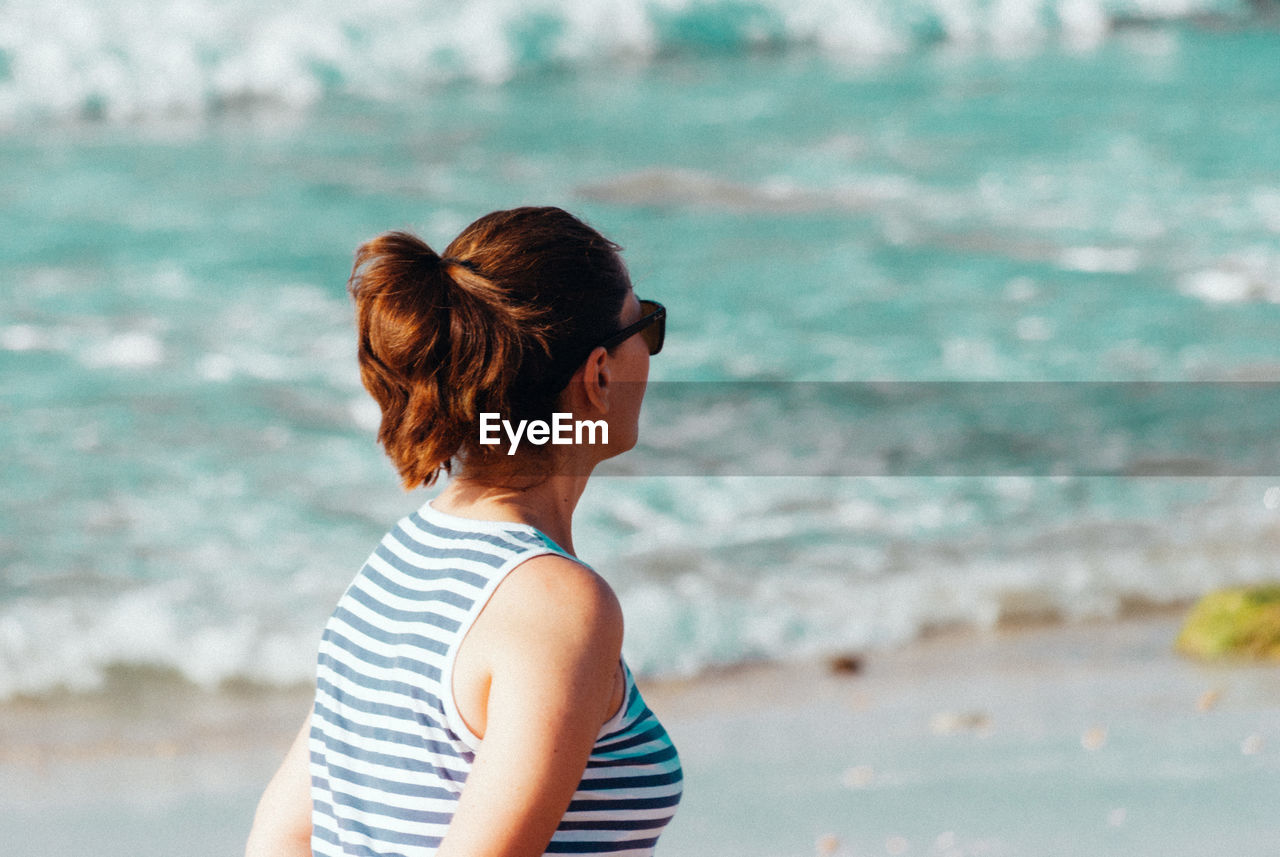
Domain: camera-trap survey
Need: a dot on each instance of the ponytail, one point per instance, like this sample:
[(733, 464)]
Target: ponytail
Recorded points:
[(439, 344)]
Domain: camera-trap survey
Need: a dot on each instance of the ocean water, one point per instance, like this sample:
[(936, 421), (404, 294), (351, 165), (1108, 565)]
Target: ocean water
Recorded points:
[(961, 193)]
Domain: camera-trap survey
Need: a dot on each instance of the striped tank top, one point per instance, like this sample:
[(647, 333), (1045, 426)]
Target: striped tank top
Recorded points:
[(390, 752)]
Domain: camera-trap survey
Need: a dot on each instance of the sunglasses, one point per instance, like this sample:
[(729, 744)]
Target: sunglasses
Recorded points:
[(652, 325)]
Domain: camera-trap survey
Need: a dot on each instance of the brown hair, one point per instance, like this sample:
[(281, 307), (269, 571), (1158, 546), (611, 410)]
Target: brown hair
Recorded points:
[(517, 297)]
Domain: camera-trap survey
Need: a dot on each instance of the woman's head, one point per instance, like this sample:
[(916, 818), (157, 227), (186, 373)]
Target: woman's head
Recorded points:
[(495, 325)]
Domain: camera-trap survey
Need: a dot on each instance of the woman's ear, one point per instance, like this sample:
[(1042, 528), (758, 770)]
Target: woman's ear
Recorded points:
[(596, 375)]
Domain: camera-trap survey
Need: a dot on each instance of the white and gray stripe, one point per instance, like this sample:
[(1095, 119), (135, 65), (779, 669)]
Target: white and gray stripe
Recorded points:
[(389, 752)]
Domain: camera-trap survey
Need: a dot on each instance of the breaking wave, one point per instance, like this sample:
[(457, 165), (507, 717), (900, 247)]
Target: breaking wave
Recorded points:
[(141, 59)]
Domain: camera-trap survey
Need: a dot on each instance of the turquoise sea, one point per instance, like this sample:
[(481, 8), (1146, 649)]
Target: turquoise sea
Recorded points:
[(950, 191)]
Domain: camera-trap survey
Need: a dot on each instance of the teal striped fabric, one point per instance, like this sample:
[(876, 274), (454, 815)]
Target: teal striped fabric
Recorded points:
[(389, 751)]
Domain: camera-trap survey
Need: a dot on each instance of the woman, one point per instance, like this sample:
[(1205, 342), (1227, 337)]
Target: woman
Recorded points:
[(471, 699)]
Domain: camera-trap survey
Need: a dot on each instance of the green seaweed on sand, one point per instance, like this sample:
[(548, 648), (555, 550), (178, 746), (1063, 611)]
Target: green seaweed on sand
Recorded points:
[(1243, 622)]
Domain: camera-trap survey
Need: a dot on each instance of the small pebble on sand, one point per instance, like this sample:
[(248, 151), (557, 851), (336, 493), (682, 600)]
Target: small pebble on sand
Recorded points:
[(827, 845), (858, 777), (847, 664), (1208, 700), (955, 722)]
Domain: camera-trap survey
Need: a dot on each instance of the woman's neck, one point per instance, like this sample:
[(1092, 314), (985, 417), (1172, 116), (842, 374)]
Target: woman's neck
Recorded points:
[(548, 505)]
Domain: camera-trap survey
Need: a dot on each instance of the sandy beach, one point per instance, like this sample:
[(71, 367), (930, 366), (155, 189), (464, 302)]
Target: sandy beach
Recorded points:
[(1045, 740), (1048, 740)]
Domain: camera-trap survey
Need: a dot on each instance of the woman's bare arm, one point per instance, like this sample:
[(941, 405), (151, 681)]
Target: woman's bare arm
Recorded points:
[(550, 639), (282, 824)]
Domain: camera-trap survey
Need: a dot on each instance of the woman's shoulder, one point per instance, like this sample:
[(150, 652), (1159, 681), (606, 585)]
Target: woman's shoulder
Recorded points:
[(555, 590), (543, 593)]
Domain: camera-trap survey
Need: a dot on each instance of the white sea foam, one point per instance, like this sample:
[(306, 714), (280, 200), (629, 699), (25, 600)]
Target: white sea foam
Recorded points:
[(216, 367), (1248, 275), (133, 350), (23, 337), (708, 571), (365, 413), (1217, 286), (73, 642), (148, 58), (685, 627), (1096, 260), (1266, 205)]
